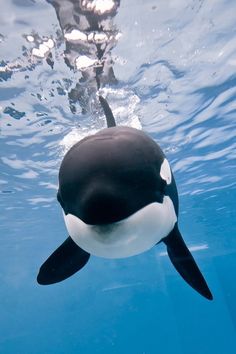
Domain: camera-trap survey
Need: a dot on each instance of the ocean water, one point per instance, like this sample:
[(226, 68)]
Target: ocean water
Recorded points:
[(174, 77)]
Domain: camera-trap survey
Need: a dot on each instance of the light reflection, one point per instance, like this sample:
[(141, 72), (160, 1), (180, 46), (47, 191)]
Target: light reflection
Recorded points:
[(191, 248)]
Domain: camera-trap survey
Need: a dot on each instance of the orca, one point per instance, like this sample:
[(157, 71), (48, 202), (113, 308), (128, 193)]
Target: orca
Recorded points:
[(119, 199)]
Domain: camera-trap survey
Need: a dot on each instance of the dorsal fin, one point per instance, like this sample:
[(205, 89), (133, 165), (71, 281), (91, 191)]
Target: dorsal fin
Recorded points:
[(108, 112)]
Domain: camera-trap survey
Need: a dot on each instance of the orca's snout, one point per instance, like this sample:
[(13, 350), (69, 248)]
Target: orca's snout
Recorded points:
[(102, 207)]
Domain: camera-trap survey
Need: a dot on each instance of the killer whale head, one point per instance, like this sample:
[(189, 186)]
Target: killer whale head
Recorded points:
[(112, 191), (112, 174), (119, 199)]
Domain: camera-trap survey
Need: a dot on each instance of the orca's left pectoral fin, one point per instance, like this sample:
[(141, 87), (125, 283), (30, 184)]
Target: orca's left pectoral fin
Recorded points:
[(64, 262), (185, 264)]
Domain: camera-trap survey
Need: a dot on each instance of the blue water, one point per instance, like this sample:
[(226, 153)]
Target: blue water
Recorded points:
[(175, 65)]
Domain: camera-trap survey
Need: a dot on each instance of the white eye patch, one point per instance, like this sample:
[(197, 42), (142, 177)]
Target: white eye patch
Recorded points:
[(165, 171), (131, 236)]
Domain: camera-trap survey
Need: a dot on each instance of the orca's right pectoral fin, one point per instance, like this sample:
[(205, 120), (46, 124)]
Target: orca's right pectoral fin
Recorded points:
[(185, 264), (64, 262)]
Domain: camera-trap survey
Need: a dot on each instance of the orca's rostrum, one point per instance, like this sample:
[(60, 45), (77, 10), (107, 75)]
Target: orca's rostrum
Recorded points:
[(119, 199)]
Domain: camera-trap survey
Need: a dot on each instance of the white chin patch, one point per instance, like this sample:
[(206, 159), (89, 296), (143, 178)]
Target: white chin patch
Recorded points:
[(128, 237), (165, 171)]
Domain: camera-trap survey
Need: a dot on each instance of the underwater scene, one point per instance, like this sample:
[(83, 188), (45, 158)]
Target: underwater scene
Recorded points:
[(117, 177)]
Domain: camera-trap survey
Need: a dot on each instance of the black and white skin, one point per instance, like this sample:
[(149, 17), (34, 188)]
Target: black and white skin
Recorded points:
[(119, 199)]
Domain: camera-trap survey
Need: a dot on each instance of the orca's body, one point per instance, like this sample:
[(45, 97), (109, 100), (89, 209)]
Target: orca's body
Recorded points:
[(119, 199)]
